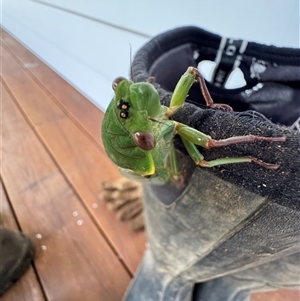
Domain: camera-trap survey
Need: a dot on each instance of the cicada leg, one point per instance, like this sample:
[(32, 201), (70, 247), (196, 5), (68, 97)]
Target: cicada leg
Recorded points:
[(174, 164), (182, 88), (192, 137)]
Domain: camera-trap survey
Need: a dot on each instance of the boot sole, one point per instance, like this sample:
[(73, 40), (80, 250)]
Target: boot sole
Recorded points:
[(19, 269)]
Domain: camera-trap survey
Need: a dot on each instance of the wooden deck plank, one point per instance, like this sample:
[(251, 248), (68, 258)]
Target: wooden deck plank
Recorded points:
[(84, 165), (28, 285), (73, 260), (73, 103)]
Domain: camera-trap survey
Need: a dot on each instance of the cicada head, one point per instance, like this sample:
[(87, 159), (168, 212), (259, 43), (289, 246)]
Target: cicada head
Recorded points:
[(127, 128)]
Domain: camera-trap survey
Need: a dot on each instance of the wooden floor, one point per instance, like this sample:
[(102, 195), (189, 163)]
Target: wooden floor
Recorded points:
[(51, 170)]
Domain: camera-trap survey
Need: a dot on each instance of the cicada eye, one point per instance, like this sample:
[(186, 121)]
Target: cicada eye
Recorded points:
[(144, 140), (117, 81)]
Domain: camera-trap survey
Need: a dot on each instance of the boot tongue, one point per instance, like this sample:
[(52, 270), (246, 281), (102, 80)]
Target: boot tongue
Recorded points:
[(228, 57)]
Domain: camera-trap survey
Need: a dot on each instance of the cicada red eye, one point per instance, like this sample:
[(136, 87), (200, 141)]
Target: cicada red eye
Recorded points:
[(117, 81), (144, 140)]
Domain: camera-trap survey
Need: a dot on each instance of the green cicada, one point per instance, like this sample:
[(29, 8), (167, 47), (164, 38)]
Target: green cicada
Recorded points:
[(138, 135)]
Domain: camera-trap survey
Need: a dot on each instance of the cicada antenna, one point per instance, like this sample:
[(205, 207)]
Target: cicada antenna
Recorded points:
[(130, 61)]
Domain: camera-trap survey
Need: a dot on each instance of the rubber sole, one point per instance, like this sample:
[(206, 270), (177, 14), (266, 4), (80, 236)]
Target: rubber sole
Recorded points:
[(20, 268)]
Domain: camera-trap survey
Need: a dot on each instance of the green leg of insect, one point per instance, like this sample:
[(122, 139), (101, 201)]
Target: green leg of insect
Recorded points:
[(182, 88), (192, 137), (199, 159), (174, 164)]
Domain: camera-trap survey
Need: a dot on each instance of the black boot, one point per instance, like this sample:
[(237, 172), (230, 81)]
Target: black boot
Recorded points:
[(16, 254), (231, 218)]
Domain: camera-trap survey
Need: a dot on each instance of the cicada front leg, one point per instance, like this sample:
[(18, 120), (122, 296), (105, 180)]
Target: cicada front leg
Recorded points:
[(182, 88)]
